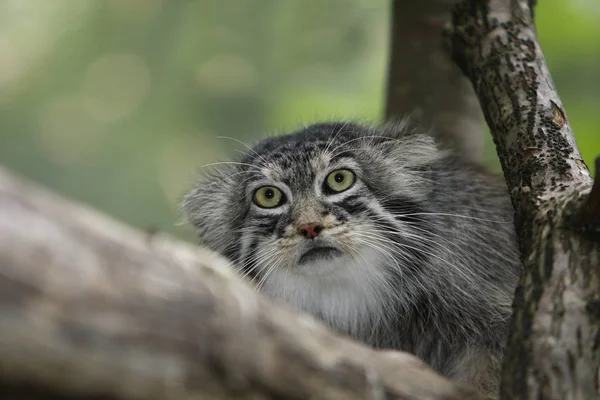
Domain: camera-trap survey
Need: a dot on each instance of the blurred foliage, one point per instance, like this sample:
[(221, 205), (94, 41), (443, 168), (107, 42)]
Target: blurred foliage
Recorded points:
[(119, 103)]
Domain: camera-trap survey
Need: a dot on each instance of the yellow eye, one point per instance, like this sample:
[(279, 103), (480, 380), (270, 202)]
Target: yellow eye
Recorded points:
[(340, 180), (268, 197)]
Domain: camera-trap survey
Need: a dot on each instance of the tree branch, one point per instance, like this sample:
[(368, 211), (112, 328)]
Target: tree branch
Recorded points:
[(92, 309), (553, 350), (424, 83)]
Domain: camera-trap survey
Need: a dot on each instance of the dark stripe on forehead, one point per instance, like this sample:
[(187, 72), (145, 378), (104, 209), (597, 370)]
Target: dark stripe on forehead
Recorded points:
[(340, 153)]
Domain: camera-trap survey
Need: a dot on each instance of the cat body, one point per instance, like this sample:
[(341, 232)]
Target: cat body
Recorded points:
[(376, 232)]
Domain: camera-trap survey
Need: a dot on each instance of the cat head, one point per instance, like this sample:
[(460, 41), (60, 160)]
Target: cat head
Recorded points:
[(333, 204)]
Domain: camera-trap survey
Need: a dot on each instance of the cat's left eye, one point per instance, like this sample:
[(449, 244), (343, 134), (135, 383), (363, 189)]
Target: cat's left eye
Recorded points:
[(340, 180)]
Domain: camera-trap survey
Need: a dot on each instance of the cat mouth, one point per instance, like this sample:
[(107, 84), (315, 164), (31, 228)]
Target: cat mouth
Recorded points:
[(319, 254)]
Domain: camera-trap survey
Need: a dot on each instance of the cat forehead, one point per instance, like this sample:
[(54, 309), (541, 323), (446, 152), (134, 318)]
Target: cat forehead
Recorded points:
[(294, 166), (319, 138), (310, 152), (301, 155), (316, 145)]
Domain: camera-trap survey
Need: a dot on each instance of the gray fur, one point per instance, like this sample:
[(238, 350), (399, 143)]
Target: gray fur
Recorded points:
[(429, 259)]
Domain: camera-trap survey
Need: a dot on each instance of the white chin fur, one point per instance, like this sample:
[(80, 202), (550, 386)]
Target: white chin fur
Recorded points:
[(348, 292)]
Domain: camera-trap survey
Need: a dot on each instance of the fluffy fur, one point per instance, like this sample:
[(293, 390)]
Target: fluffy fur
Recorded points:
[(428, 260)]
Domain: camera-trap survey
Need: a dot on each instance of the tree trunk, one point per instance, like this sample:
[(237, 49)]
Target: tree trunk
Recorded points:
[(424, 83), (553, 351), (91, 309)]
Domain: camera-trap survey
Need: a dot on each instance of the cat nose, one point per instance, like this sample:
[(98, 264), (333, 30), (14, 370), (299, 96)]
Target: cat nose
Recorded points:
[(311, 230)]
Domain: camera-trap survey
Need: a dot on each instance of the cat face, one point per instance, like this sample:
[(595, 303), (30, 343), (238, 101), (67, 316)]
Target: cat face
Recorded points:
[(320, 213)]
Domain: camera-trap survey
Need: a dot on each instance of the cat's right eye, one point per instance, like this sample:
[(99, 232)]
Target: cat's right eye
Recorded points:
[(268, 197)]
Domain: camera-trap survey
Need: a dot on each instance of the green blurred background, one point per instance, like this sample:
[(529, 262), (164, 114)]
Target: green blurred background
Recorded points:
[(118, 103)]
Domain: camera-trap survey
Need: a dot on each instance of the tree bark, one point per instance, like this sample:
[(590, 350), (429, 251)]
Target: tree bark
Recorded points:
[(553, 351), (424, 83), (91, 309)]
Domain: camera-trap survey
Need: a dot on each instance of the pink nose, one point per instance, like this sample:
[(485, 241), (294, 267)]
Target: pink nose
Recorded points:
[(311, 230)]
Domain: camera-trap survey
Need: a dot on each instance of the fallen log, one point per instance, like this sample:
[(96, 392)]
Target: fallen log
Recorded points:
[(92, 309)]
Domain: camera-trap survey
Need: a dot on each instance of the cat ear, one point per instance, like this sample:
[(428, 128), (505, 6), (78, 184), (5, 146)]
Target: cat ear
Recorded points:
[(408, 157), (413, 149), (416, 151), (213, 207)]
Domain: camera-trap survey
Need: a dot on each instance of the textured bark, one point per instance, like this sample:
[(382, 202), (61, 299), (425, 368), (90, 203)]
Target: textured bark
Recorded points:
[(424, 83), (91, 309), (553, 351)]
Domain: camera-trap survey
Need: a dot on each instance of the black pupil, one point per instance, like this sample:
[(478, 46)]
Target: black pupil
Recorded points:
[(269, 193), (338, 178)]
